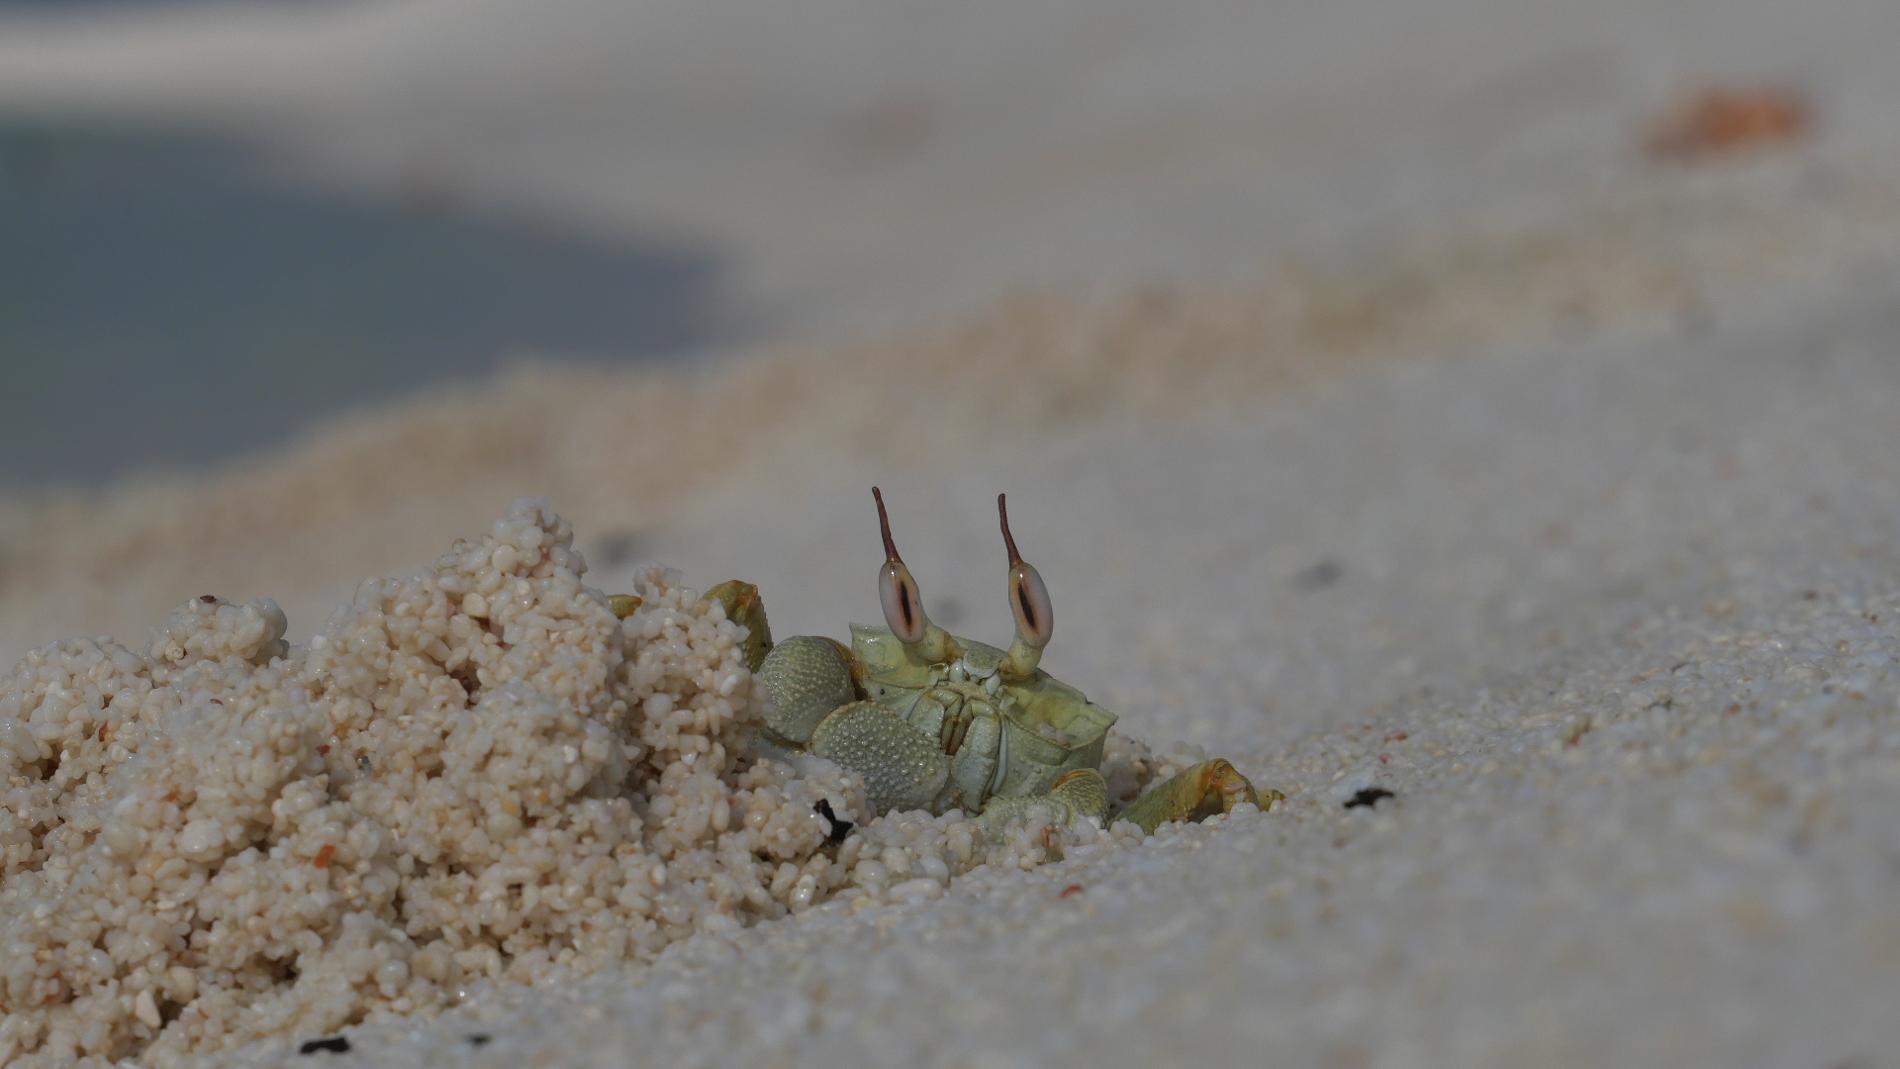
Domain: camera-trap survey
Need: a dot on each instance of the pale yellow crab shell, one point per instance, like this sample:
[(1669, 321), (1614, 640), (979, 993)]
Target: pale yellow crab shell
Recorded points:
[(1051, 727)]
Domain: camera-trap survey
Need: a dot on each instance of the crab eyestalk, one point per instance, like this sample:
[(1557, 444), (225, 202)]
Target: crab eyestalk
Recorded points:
[(1029, 603), (904, 606)]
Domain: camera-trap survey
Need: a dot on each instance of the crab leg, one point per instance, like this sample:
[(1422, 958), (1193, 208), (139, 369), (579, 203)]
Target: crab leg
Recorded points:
[(1195, 794), (743, 607)]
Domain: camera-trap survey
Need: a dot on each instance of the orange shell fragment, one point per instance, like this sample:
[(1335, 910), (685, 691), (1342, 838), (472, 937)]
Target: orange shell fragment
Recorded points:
[(1722, 121)]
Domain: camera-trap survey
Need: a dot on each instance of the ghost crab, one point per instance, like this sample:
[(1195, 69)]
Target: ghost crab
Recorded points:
[(935, 721)]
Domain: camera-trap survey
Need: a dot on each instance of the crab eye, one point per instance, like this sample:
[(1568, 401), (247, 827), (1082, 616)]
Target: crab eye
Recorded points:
[(1029, 600), (903, 607)]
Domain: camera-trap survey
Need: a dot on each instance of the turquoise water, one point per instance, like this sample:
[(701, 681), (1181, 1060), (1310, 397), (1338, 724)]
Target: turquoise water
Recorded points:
[(163, 301)]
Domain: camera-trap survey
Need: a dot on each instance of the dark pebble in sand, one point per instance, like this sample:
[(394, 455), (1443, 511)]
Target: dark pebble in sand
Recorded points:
[(1370, 796), (839, 828)]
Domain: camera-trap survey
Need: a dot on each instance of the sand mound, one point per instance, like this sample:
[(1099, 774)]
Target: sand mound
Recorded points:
[(474, 774)]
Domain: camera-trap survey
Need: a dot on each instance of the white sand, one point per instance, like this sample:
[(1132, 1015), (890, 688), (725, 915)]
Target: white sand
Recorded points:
[(1589, 526), (1621, 613)]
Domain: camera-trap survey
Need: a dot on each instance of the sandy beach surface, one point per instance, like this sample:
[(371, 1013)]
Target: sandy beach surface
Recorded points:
[(1537, 534)]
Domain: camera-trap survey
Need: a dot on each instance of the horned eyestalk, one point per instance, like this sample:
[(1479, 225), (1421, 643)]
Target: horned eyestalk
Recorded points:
[(1029, 603), (903, 604)]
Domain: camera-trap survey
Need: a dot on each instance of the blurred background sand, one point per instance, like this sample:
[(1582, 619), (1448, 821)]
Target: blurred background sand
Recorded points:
[(1445, 305), (226, 222), (262, 262)]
